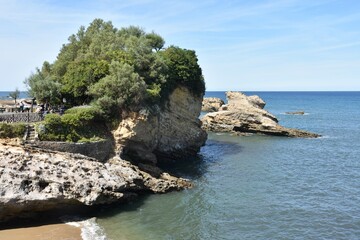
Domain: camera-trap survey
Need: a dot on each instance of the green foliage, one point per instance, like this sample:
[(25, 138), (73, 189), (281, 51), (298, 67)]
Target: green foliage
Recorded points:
[(154, 93), (43, 87), (121, 88), (155, 41), (77, 124), (183, 69), (53, 122), (115, 69), (85, 113), (80, 75), (12, 130)]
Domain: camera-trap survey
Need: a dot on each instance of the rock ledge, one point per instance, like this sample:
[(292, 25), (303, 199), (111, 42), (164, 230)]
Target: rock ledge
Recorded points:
[(245, 115), (35, 180)]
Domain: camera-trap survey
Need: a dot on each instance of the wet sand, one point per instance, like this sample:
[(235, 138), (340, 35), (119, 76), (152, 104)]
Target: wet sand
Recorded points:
[(59, 231)]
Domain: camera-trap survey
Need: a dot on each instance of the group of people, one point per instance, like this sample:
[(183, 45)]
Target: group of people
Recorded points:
[(46, 109), (23, 107), (41, 108)]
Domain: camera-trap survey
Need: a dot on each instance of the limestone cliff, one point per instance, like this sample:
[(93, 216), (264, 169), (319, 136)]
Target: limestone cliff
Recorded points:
[(211, 104), (173, 131), (34, 180)]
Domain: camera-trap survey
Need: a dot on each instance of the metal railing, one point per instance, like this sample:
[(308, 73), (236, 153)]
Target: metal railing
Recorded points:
[(21, 117)]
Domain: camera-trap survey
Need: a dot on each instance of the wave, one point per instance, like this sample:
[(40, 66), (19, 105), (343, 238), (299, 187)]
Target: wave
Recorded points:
[(89, 229)]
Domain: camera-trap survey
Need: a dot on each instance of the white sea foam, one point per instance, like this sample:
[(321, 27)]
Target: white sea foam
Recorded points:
[(90, 230), (283, 113), (326, 136)]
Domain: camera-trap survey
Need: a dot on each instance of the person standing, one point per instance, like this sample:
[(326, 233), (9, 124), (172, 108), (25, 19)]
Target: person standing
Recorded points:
[(21, 106)]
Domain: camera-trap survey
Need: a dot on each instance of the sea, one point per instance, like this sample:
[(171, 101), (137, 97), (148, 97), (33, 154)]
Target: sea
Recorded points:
[(262, 187), (4, 95), (259, 187)]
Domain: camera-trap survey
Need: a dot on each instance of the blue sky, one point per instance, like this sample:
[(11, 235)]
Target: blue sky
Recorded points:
[(241, 45)]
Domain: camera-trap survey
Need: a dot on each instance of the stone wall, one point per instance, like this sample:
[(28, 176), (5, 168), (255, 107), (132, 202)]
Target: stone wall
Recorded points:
[(99, 150)]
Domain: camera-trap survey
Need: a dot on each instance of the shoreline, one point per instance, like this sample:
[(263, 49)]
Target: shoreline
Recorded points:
[(59, 231)]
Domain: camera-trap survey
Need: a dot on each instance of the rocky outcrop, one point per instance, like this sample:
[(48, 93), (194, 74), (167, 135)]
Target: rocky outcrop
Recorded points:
[(173, 131), (34, 180), (211, 104), (296, 113), (245, 115)]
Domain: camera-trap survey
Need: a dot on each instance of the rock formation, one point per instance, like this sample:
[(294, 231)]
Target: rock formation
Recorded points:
[(34, 180), (173, 131), (211, 104), (295, 113), (244, 115)]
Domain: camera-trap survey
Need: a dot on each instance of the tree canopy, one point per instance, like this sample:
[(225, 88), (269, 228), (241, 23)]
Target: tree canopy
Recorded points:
[(115, 69)]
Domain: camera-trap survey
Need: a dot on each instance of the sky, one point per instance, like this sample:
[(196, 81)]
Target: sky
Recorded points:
[(244, 45)]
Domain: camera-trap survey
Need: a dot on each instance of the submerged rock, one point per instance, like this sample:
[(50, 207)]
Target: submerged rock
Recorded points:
[(244, 115), (295, 113), (34, 180), (211, 104)]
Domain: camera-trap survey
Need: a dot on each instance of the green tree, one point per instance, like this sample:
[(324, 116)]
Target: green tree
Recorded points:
[(155, 41), (115, 68), (44, 89), (80, 75), (15, 94), (122, 88), (183, 69)]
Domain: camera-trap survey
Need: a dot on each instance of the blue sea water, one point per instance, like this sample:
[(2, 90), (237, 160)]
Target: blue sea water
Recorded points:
[(4, 95), (263, 187)]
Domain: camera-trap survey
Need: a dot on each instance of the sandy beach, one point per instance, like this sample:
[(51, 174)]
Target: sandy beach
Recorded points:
[(59, 231), (8, 102)]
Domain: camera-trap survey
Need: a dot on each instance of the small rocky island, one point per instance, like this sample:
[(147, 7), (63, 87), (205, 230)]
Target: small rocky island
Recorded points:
[(129, 103), (37, 179), (246, 115)]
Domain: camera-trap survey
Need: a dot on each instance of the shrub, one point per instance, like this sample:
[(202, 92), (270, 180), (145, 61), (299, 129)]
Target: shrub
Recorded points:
[(183, 69), (77, 124), (52, 122), (12, 130), (85, 113)]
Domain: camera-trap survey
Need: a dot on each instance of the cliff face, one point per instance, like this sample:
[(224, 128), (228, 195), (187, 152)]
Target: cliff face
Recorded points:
[(35, 179), (173, 131)]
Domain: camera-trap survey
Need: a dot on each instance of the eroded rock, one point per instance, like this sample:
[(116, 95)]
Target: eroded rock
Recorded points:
[(173, 131), (245, 115), (211, 104), (33, 180)]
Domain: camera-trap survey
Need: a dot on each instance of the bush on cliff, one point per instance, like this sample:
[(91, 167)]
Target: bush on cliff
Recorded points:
[(12, 130), (183, 69), (76, 125), (115, 69)]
